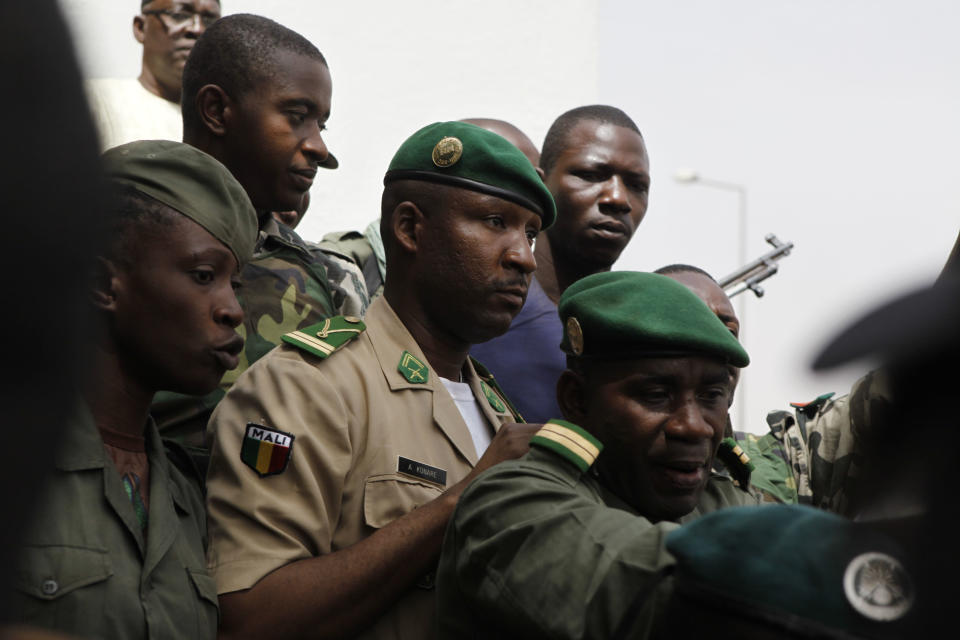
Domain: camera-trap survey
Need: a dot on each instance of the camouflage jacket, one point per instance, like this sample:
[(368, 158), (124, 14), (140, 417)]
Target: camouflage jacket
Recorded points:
[(365, 250), (287, 285), (821, 442)]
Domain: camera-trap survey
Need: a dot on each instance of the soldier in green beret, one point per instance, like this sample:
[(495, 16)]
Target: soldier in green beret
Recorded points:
[(117, 548), (568, 541), (337, 458)]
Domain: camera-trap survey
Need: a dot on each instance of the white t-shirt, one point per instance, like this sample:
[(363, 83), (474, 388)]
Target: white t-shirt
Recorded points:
[(480, 429), (124, 111)]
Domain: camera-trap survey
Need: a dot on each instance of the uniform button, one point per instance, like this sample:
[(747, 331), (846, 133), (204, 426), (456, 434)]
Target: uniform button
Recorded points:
[(49, 587)]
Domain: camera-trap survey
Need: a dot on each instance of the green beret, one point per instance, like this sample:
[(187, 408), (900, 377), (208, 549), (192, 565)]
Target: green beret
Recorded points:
[(466, 156), (191, 182), (627, 314), (792, 566)]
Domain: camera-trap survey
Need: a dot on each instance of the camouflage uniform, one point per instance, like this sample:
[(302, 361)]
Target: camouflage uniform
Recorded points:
[(365, 250), (287, 285), (812, 454)]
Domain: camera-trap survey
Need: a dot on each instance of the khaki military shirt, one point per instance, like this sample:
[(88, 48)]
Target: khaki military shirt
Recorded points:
[(536, 548), (87, 569), (367, 444)]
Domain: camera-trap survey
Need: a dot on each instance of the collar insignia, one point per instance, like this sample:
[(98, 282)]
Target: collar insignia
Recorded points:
[(412, 369)]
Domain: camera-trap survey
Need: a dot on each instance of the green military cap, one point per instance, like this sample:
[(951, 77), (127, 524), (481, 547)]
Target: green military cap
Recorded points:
[(796, 568), (466, 156), (627, 314), (191, 182)]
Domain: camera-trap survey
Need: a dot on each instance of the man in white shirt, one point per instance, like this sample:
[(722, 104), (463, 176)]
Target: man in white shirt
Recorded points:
[(148, 107)]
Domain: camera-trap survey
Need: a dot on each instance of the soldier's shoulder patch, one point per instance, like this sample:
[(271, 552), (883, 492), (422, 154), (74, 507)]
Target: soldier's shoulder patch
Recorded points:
[(324, 338), (570, 442), (411, 368), (493, 398), (266, 450), (737, 462)]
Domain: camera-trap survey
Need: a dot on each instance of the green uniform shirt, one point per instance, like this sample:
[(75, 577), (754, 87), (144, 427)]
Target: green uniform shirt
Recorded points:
[(85, 566), (537, 549)]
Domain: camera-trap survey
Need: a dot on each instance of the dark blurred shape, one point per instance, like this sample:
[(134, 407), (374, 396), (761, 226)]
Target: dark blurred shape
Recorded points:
[(911, 455), (914, 326), (50, 193), (952, 266)]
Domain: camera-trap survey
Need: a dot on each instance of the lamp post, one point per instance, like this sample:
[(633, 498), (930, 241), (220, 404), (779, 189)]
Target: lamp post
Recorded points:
[(689, 176)]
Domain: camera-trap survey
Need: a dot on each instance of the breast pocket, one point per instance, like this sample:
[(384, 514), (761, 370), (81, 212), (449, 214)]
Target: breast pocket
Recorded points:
[(208, 611), (389, 496), (61, 585)]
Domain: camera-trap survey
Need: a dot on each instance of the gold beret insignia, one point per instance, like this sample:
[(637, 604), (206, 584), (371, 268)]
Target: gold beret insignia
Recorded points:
[(575, 335), (447, 152)]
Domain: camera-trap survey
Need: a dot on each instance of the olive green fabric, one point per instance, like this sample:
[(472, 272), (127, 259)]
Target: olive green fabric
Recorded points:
[(482, 161), (628, 314), (797, 566), (536, 548), (191, 182), (86, 567)]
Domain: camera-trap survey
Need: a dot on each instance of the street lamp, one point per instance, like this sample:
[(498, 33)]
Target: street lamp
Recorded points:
[(689, 176)]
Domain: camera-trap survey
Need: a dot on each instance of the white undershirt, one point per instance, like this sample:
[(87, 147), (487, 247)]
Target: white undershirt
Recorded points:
[(480, 429)]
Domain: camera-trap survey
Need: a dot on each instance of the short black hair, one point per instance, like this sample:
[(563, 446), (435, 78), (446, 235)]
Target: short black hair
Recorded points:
[(554, 142), (683, 268), (236, 53), (130, 212)]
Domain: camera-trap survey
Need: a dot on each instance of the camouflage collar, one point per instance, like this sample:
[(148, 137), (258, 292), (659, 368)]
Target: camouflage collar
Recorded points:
[(274, 233)]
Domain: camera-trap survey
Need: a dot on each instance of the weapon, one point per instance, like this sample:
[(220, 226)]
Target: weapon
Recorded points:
[(752, 274)]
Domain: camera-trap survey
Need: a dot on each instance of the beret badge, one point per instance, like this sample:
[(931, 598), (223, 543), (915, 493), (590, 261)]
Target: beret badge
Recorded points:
[(447, 152), (575, 336)]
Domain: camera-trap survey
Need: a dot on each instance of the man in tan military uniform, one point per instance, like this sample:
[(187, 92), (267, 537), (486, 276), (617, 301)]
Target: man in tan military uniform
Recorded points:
[(340, 455)]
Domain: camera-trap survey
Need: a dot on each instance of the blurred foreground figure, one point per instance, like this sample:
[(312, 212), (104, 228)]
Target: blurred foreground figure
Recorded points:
[(567, 542), (47, 344), (148, 107), (117, 549), (889, 573)]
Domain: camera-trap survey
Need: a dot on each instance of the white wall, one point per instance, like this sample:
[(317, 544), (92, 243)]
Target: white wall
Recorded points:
[(397, 66), (839, 117), (841, 120)]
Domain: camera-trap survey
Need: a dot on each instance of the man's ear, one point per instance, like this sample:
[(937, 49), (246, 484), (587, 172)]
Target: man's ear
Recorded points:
[(407, 222), (540, 173), (103, 291), (571, 397), (215, 108), (138, 24)]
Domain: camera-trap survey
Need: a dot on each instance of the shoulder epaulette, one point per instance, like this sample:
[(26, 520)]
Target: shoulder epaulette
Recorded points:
[(570, 442), (323, 338), (488, 378), (737, 462), (811, 408)]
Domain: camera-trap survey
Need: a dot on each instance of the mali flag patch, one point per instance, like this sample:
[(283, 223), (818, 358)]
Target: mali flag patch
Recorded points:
[(266, 450)]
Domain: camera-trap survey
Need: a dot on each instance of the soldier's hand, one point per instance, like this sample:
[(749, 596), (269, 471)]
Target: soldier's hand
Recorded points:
[(511, 441)]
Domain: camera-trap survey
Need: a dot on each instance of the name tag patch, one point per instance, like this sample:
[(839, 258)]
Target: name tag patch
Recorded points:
[(266, 450), (422, 471)]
